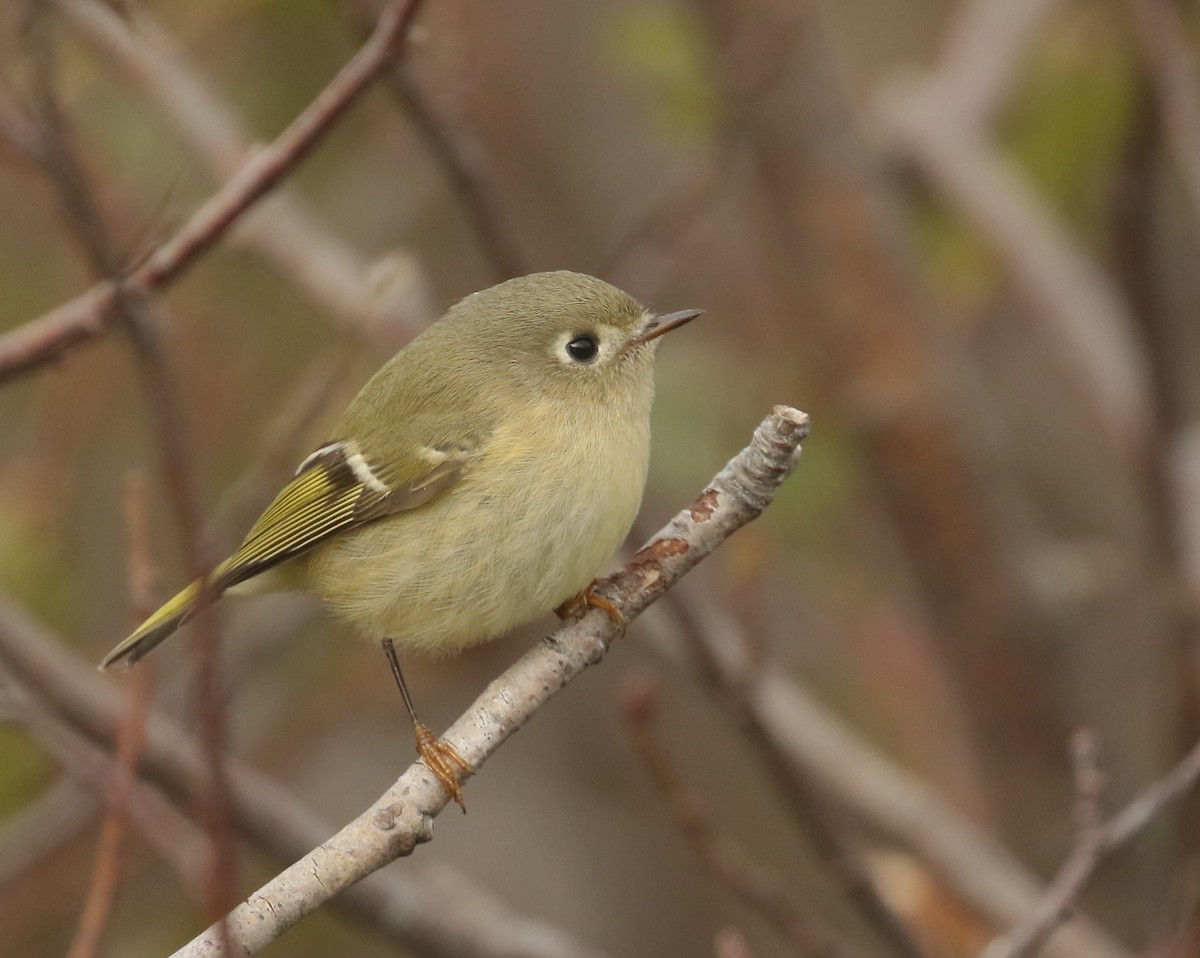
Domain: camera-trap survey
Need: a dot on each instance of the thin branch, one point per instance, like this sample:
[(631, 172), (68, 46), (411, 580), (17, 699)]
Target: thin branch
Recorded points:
[(985, 47), (280, 441), (1095, 845), (437, 912), (130, 738), (731, 943), (57, 817), (266, 167), (935, 122), (1080, 305), (641, 260), (662, 236), (823, 821), (1089, 782), (284, 231), (460, 159), (803, 739), (758, 887), (85, 317), (133, 310), (176, 839), (402, 818), (1170, 62)]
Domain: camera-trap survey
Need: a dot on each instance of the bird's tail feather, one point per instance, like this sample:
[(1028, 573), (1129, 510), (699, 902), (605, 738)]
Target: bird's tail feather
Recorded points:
[(162, 623)]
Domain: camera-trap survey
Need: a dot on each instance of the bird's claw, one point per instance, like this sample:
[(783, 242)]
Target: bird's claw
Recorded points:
[(442, 759), (589, 598)]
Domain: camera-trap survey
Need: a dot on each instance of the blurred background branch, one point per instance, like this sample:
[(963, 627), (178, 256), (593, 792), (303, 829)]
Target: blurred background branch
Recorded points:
[(247, 175), (413, 910)]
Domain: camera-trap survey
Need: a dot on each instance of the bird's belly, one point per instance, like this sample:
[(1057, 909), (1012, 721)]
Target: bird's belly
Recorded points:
[(489, 555)]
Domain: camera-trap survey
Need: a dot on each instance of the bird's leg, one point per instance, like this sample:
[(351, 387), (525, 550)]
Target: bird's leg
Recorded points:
[(441, 759), (589, 598)]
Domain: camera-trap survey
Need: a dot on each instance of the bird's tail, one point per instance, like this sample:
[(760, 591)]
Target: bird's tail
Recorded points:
[(162, 623)]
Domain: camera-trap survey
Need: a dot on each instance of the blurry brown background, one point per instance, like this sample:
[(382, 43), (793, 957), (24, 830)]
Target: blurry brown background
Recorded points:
[(961, 235)]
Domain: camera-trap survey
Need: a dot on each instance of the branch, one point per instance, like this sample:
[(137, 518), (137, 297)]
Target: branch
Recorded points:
[(460, 159), (442, 913), (284, 231), (403, 816), (87, 316), (64, 814), (1168, 59), (760, 888), (804, 741), (985, 47), (130, 738), (731, 943), (174, 837), (133, 311), (935, 122), (1184, 476), (1094, 845), (733, 682)]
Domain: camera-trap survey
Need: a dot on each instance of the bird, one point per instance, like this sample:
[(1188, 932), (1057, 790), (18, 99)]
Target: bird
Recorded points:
[(481, 478)]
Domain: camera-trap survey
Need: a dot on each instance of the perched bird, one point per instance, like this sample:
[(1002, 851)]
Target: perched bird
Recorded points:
[(478, 480)]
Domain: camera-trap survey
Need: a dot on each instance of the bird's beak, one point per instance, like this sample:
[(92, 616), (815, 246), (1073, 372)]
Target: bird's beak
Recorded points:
[(657, 325)]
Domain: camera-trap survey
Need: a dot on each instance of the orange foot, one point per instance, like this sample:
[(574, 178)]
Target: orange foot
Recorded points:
[(441, 759), (577, 605)]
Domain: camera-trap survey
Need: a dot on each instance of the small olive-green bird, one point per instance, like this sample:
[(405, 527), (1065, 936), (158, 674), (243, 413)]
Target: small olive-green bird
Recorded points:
[(479, 479)]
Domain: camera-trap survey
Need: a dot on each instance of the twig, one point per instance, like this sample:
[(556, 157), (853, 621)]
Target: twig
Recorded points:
[(1094, 845), (269, 165), (403, 817), (284, 231), (458, 157), (85, 317), (56, 155), (918, 120), (1089, 782), (810, 742), (177, 840), (130, 738), (885, 357), (57, 817), (132, 308), (986, 43), (758, 887), (1170, 62), (641, 260), (1082, 309), (645, 257), (824, 824), (463, 167), (436, 912), (731, 943)]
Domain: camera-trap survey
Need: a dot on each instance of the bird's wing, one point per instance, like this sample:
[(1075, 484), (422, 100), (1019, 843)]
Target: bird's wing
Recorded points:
[(337, 488)]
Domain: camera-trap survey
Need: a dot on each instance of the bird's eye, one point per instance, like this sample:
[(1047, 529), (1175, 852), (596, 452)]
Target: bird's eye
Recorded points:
[(583, 348)]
